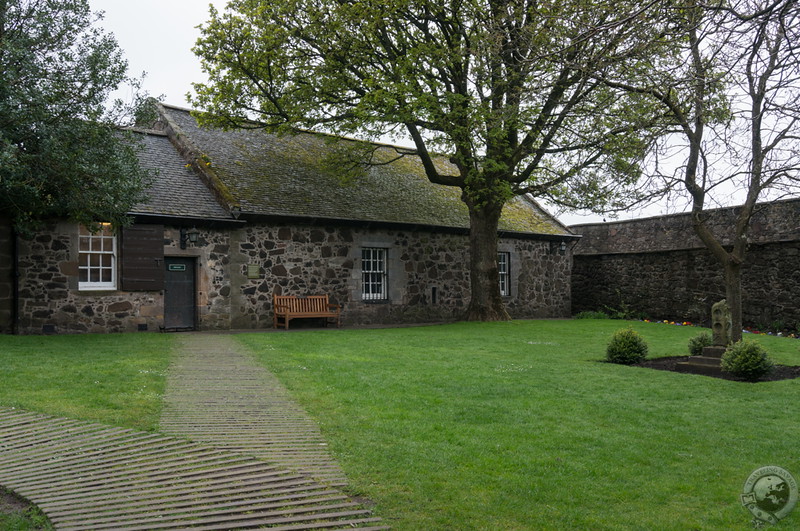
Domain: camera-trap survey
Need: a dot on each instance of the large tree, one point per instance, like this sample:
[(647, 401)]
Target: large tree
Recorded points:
[(62, 152), (506, 88), (735, 97)]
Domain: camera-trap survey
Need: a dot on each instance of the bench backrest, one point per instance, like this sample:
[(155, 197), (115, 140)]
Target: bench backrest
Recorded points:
[(310, 304)]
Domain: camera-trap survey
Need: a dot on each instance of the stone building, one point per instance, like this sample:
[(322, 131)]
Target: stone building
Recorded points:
[(235, 216)]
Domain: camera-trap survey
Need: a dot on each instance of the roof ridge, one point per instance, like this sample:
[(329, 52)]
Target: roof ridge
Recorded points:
[(195, 157), (144, 130), (408, 150), (176, 107)]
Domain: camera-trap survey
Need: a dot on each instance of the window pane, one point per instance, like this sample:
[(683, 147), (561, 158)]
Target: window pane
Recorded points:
[(96, 258), (373, 274), (503, 261)]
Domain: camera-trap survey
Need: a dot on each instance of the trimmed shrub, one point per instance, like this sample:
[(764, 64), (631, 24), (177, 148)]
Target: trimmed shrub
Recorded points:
[(747, 359), (698, 342), (626, 347)]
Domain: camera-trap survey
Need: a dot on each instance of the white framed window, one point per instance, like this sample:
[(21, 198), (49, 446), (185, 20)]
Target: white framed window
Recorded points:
[(373, 274), (504, 268), (97, 258)]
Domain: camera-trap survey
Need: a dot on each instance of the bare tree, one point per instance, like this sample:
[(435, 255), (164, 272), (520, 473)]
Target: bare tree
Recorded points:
[(734, 96)]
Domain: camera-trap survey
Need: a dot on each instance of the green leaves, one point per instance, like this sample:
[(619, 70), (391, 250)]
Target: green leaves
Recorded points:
[(61, 153), (746, 359), (503, 88), (507, 90)]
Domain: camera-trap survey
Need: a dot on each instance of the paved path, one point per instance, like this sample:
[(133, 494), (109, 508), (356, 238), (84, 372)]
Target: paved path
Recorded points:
[(86, 476), (217, 394)]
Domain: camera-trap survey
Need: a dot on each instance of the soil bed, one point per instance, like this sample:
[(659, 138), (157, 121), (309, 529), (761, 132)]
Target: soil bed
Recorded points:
[(779, 372), (10, 504)]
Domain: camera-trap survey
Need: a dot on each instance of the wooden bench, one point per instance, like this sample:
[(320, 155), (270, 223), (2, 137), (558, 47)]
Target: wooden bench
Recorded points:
[(288, 307)]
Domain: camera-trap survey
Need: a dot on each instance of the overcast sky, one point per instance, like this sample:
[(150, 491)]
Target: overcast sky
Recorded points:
[(157, 37)]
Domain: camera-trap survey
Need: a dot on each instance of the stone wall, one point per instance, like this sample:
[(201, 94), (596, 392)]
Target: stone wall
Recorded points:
[(50, 301), (428, 274), (657, 266), (239, 270)]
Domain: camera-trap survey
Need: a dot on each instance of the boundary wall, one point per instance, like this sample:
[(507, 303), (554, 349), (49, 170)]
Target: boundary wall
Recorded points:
[(658, 267)]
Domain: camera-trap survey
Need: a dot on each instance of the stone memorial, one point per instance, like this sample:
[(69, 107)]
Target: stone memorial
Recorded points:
[(721, 330), (721, 323)]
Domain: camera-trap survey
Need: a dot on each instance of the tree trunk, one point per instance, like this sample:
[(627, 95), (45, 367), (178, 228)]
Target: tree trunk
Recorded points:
[(733, 294), (731, 263), (486, 303)]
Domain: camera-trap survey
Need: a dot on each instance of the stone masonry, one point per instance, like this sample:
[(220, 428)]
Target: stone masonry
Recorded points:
[(6, 277), (50, 302), (239, 270), (427, 274), (657, 266)]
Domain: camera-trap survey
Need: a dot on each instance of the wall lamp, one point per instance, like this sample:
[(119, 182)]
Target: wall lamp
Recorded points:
[(558, 247), (190, 236)]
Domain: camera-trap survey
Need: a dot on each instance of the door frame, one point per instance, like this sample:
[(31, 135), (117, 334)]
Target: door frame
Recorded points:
[(193, 264)]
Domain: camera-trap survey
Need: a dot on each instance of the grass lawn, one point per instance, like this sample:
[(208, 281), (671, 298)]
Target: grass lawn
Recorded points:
[(115, 379), (519, 426)]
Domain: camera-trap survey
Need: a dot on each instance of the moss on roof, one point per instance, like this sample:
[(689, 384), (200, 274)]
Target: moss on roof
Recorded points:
[(175, 190), (292, 175)]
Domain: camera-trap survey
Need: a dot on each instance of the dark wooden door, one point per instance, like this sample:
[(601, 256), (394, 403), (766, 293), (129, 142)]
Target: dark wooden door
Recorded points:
[(179, 293)]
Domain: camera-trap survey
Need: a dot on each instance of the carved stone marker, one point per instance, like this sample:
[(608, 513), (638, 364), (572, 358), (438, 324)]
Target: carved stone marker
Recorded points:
[(721, 328), (721, 323)]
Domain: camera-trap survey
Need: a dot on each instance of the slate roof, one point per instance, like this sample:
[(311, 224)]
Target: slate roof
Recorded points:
[(270, 175), (176, 190)]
